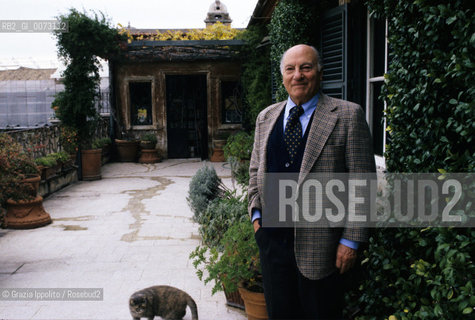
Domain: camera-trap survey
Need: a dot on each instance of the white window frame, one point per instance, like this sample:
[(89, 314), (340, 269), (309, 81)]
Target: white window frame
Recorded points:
[(370, 80)]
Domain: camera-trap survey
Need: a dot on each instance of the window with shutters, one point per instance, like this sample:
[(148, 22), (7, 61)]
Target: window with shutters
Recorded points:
[(377, 62), (333, 51)]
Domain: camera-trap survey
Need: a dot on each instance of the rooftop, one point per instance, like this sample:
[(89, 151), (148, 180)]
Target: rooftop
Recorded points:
[(23, 73)]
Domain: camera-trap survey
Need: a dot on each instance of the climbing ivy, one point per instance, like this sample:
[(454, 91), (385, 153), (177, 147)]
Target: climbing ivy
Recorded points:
[(292, 22), (430, 95), (255, 76), (430, 88), (87, 39)]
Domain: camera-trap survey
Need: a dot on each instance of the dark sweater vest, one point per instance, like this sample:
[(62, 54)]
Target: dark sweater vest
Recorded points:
[(278, 161)]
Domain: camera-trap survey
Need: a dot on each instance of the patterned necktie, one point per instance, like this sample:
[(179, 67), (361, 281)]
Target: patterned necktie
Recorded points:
[(293, 132)]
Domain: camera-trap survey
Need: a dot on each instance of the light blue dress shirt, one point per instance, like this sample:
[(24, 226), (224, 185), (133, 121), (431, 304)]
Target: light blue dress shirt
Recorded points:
[(308, 109)]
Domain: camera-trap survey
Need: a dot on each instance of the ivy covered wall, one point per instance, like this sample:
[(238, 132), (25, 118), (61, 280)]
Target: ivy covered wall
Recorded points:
[(430, 87), (430, 90), (293, 22)]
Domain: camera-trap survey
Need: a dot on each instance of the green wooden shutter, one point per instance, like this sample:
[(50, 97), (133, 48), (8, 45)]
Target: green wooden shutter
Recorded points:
[(334, 52)]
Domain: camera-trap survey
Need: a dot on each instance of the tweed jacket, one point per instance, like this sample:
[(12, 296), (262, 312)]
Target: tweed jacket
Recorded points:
[(338, 141)]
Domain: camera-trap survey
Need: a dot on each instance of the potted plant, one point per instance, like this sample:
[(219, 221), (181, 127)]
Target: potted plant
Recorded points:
[(68, 140), (46, 165), (204, 187), (148, 141), (105, 145), (215, 208), (77, 104), (237, 267), (63, 160), (238, 151), (219, 141), (19, 196), (148, 153), (127, 147)]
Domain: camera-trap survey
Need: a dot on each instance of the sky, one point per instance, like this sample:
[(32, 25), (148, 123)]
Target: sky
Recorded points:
[(39, 49)]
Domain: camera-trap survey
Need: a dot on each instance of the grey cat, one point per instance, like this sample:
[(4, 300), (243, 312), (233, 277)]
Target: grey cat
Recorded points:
[(164, 301)]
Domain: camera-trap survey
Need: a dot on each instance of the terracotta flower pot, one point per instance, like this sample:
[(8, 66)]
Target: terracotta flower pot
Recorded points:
[(127, 150), (217, 156), (255, 304), (149, 156), (149, 145), (46, 172), (34, 182), (234, 299), (91, 164), (218, 152), (26, 214)]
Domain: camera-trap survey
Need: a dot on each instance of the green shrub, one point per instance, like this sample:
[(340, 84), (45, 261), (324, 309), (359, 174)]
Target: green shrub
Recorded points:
[(239, 145), (430, 94), (240, 170), (149, 137), (61, 156), (204, 187), (15, 165), (221, 214), (46, 161), (238, 151), (238, 263), (256, 73), (100, 143)]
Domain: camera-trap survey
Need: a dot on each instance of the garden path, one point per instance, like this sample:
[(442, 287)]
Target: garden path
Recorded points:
[(128, 231)]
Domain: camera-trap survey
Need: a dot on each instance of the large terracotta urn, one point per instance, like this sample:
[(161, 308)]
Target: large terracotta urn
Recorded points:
[(91, 164), (26, 214), (34, 182)]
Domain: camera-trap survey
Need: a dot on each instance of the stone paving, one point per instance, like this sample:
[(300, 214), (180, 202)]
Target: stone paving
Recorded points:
[(128, 231)]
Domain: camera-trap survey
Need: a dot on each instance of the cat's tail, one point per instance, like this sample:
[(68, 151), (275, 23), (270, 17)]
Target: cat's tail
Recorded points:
[(194, 310)]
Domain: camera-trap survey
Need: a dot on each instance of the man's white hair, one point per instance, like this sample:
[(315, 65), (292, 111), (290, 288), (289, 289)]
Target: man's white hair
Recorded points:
[(317, 54)]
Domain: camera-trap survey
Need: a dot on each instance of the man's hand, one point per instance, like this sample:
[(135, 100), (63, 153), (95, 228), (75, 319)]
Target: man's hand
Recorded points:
[(345, 258), (256, 225)]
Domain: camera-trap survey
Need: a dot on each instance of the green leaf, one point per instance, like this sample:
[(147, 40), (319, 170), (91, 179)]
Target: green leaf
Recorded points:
[(450, 295), (467, 310), (451, 20)]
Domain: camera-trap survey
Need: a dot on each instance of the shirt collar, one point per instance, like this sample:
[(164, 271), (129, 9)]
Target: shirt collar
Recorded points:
[(308, 107)]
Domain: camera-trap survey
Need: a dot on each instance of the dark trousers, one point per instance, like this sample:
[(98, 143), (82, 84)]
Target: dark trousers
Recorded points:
[(289, 295)]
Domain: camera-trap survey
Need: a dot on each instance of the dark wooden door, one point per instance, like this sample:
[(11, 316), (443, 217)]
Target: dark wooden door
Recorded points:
[(186, 116)]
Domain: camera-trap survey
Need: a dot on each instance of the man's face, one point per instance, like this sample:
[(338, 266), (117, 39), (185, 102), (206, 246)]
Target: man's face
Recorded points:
[(300, 74)]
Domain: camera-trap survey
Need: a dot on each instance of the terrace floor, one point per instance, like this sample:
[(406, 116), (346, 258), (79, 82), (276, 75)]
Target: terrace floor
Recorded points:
[(130, 230)]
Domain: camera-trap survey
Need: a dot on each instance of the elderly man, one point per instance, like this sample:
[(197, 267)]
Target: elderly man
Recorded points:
[(302, 267)]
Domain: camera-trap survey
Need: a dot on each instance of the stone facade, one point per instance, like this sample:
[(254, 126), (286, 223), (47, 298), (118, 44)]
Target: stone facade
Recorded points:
[(217, 62)]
